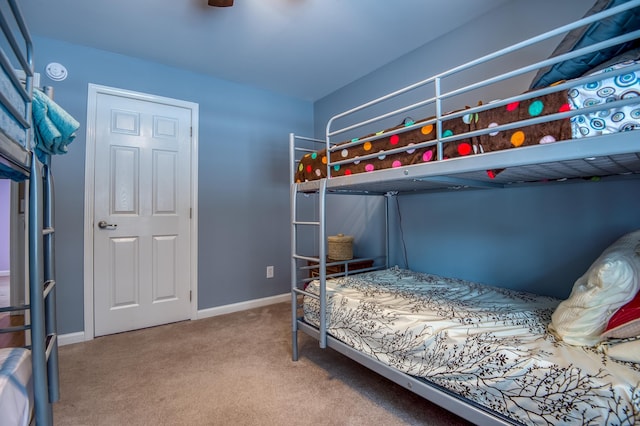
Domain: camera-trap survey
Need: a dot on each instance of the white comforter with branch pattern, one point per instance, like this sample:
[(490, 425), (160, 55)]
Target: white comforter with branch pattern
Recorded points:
[(487, 344)]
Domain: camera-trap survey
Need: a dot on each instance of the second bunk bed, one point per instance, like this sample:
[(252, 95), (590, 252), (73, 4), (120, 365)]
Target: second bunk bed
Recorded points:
[(489, 354), (32, 128)]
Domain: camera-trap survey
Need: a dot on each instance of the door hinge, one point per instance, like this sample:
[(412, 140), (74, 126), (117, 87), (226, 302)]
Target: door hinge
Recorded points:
[(190, 212), (191, 131), (190, 295)]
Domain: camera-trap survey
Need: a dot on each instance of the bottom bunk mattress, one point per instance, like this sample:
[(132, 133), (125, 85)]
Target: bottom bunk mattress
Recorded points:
[(489, 345), (16, 391)]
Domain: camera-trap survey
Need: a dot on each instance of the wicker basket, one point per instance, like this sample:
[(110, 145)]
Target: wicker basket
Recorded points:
[(340, 247)]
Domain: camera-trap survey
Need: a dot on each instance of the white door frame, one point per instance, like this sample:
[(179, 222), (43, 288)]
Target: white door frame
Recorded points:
[(94, 91), (19, 253)]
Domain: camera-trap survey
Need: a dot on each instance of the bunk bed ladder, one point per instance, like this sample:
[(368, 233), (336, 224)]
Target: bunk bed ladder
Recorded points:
[(42, 287), (296, 256), (44, 342), (50, 284)]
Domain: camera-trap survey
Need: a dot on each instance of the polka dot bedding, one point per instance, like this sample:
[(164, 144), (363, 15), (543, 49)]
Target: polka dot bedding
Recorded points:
[(314, 165)]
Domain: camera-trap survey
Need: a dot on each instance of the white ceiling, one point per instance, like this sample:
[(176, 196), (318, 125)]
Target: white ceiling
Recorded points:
[(301, 48)]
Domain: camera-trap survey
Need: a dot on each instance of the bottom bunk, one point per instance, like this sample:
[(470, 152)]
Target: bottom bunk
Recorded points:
[(16, 390), (483, 352)]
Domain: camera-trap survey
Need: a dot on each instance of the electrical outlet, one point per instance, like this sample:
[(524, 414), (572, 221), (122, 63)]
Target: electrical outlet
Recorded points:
[(269, 271)]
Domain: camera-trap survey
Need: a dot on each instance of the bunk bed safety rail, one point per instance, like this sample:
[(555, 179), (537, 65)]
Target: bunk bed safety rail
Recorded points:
[(23, 55), (474, 110), (333, 144), (16, 62), (492, 56)]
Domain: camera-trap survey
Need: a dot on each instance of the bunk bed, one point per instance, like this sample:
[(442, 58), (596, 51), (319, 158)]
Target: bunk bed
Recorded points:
[(489, 354), (29, 375)]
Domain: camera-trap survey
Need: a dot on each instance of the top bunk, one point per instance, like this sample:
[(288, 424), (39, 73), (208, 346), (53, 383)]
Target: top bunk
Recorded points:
[(16, 86), (576, 120)]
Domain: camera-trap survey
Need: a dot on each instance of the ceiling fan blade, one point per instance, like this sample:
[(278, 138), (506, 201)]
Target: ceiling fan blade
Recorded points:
[(221, 3)]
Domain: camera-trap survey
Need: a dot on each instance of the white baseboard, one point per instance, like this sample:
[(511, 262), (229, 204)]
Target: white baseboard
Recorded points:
[(71, 338), (243, 306), (5, 273), (79, 337)]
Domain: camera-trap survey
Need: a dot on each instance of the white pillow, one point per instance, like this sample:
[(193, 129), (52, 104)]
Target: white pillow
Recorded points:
[(611, 281), (624, 351)]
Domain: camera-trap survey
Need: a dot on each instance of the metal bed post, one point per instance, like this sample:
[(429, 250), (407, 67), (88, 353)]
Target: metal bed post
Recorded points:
[(294, 283), (43, 408), (387, 249), (322, 252), (50, 284), (294, 263), (438, 102), (44, 342), (51, 324)]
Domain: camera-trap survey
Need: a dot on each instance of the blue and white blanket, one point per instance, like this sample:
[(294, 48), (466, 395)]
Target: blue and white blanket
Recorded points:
[(487, 344)]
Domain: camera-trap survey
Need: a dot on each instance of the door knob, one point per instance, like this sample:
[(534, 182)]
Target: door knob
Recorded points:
[(103, 225)]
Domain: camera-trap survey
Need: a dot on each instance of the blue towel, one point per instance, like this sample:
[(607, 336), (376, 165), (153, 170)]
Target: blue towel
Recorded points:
[(54, 127)]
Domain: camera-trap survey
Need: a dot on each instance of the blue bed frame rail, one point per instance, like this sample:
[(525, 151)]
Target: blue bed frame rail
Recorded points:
[(20, 163)]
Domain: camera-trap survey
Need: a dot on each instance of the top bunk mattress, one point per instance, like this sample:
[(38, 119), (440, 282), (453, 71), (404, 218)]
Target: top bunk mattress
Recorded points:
[(487, 344)]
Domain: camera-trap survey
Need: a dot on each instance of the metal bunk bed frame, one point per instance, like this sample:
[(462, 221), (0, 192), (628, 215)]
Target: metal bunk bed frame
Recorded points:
[(42, 293), (619, 154)]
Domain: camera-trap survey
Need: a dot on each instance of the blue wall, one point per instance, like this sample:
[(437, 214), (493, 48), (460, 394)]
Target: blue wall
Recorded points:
[(504, 26), (243, 174), (540, 238)]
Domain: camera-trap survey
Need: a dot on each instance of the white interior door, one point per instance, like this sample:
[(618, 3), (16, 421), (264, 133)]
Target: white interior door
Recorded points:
[(141, 214)]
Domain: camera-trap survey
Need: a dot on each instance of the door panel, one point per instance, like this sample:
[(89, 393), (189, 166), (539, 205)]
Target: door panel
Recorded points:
[(125, 272), (124, 180), (165, 268)]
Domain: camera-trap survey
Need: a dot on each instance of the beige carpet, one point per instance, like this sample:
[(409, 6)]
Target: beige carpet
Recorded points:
[(233, 369)]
